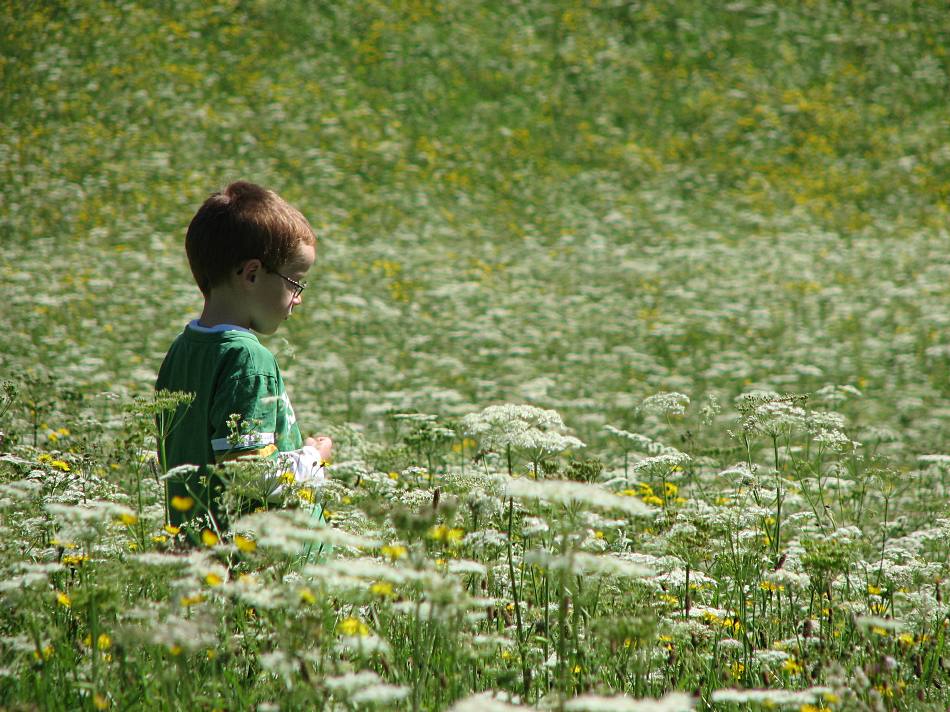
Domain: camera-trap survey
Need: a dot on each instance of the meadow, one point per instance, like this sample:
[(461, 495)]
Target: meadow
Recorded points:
[(629, 321)]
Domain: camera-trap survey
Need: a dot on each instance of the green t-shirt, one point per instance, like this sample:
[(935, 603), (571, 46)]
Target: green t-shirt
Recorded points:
[(228, 371)]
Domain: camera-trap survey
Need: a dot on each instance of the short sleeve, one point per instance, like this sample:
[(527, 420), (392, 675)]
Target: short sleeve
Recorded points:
[(255, 398)]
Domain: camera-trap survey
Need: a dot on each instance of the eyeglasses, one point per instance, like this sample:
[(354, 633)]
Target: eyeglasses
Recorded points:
[(298, 287)]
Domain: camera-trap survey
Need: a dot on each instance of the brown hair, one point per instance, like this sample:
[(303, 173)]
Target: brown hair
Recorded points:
[(242, 222)]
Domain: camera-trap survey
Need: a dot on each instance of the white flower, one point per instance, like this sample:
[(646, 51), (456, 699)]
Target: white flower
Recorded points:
[(641, 442), (486, 702), (277, 663), (667, 461), (534, 431), (869, 622), (837, 394), (770, 658), (781, 698), (352, 682), (589, 564), (567, 492), (361, 645), (464, 566), (481, 541), (380, 694), (533, 526), (290, 530), (936, 460), (673, 702), (666, 403)]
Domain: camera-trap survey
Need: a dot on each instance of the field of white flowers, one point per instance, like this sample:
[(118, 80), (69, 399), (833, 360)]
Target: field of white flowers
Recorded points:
[(629, 321)]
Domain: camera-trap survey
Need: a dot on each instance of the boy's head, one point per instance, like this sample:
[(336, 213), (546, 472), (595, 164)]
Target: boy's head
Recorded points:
[(240, 223)]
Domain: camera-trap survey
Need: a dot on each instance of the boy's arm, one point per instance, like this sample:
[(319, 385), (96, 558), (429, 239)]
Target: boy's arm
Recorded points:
[(255, 398), (306, 463)]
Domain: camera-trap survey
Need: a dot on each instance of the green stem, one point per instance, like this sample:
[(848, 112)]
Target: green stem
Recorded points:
[(525, 674)]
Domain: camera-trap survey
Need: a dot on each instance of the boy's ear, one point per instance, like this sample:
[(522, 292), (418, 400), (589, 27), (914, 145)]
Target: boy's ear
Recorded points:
[(249, 270)]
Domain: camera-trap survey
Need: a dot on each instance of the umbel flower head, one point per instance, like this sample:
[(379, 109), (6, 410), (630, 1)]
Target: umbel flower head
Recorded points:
[(533, 431)]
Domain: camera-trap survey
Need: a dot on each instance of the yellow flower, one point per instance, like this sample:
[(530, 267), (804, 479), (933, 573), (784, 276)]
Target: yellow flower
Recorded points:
[(182, 504), (213, 579), (382, 588), (394, 475), (906, 638), (394, 551), (287, 478), (653, 499), (44, 654), (172, 530), (245, 544), (63, 599), (174, 650), (192, 600), (208, 537), (307, 596), (792, 666), (100, 702), (74, 559), (576, 669), (128, 519), (671, 489), (874, 590), (444, 533), (352, 626), (60, 465), (598, 535), (160, 539), (103, 642), (306, 494)]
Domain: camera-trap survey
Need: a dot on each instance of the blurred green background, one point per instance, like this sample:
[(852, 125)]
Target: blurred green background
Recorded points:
[(571, 204)]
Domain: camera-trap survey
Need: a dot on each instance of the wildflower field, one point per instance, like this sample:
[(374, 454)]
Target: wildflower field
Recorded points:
[(629, 322)]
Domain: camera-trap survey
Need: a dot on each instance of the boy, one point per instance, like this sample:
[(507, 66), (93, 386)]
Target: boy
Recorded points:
[(249, 252)]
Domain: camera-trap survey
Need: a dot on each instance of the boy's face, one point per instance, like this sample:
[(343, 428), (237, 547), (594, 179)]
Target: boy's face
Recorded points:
[(273, 296)]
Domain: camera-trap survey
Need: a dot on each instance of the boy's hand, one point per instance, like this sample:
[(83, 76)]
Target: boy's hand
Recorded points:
[(323, 444)]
